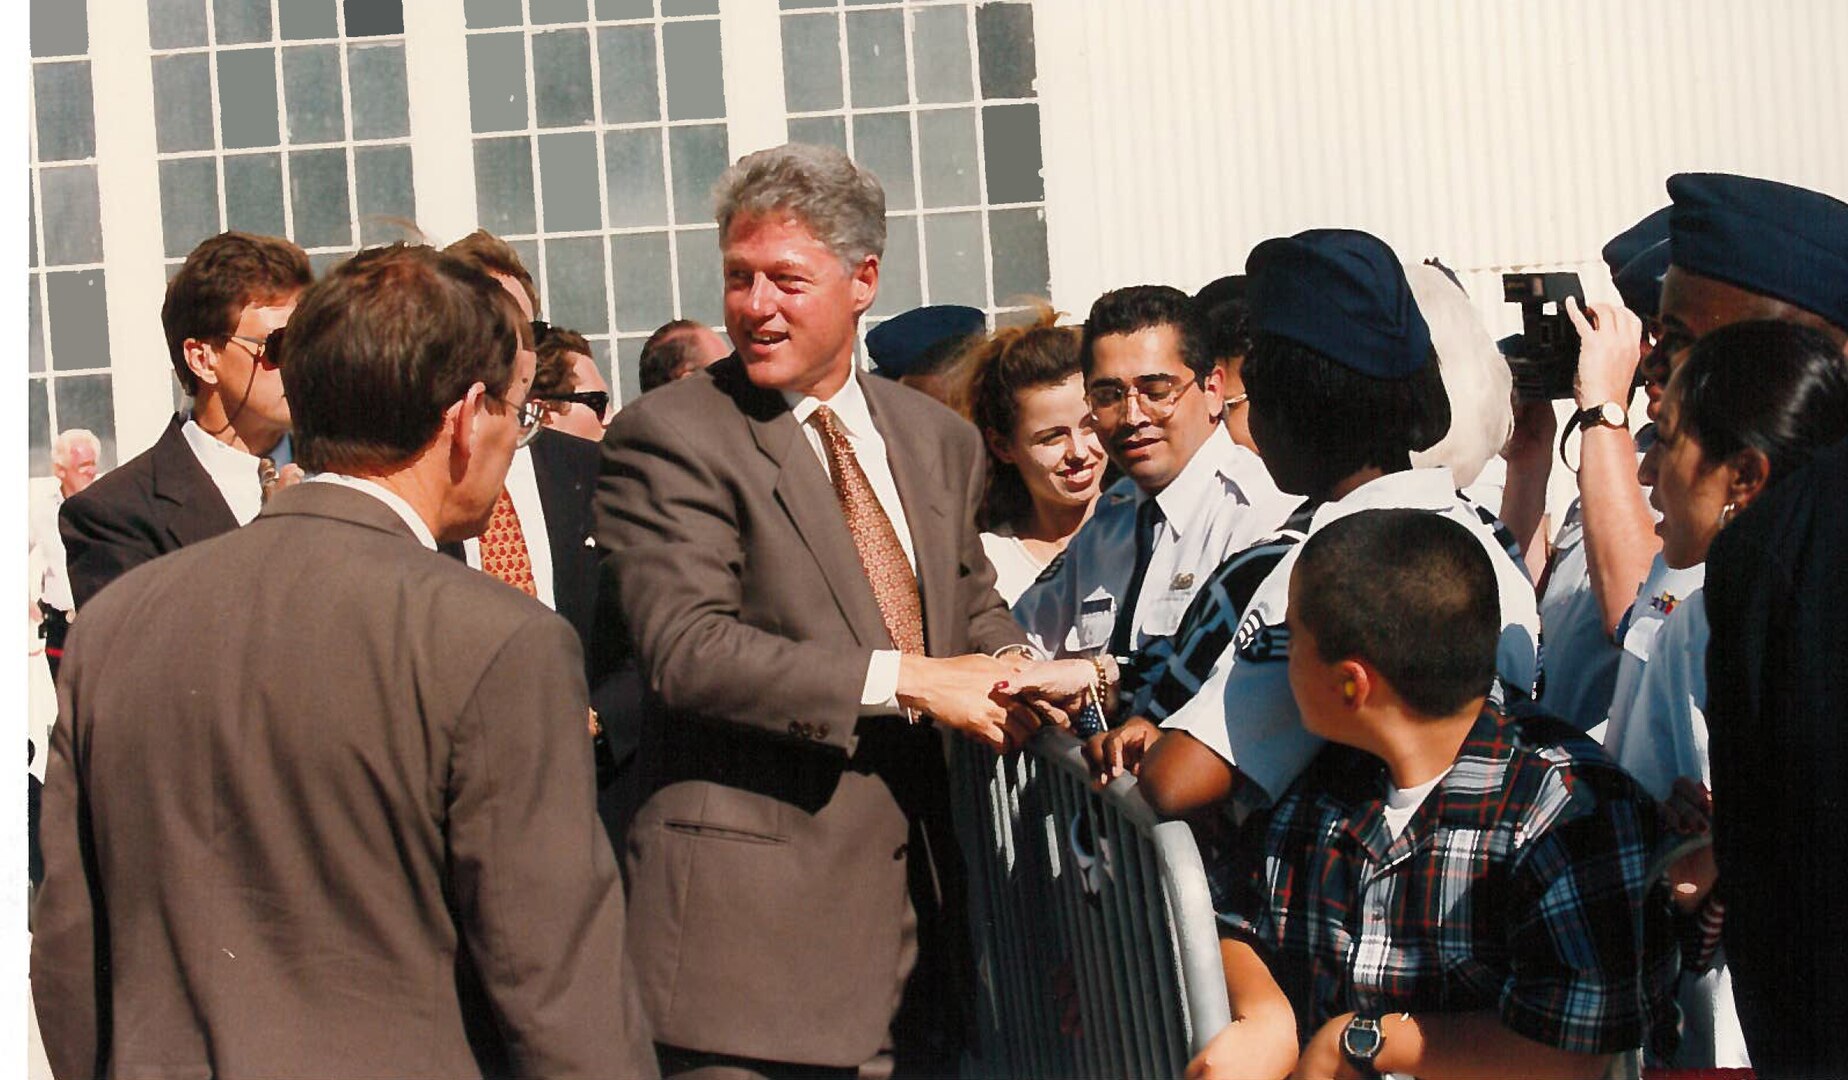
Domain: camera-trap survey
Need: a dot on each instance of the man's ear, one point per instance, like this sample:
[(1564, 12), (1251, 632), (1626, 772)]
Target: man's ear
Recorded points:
[(1751, 471), (1215, 386), (463, 420), (1357, 684), (201, 359), (865, 284)]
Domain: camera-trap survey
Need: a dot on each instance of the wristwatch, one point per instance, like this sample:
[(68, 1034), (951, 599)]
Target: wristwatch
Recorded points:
[(1361, 1042), (1610, 414)]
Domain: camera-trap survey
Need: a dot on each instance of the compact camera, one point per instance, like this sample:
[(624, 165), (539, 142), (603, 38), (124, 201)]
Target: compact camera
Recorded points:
[(1545, 364)]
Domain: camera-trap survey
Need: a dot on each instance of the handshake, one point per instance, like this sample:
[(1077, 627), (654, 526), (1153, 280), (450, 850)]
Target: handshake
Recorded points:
[(1003, 700)]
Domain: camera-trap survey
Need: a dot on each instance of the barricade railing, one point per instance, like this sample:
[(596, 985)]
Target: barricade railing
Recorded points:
[(1095, 947)]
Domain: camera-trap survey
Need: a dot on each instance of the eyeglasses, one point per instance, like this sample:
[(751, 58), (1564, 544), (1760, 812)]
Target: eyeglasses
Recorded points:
[(266, 351), (597, 401), (529, 413), (1160, 396)]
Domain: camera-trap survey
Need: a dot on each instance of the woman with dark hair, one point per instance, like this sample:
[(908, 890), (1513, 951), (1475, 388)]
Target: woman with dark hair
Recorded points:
[(1752, 403), (1024, 390)]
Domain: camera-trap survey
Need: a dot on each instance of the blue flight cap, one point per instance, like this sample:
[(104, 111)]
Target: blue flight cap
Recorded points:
[(1342, 293), (1639, 281), (1635, 240), (915, 341), (1773, 239)]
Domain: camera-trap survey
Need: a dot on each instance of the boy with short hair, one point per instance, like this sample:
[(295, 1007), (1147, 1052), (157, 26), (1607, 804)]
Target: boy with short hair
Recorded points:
[(1444, 891)]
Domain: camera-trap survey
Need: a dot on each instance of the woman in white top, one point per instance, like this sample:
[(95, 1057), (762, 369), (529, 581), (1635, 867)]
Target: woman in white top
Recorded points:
[(1022, 387), (1752, 402)]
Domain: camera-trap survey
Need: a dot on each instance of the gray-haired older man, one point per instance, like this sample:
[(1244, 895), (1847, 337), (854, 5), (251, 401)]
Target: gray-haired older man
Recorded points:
[(795, 554)]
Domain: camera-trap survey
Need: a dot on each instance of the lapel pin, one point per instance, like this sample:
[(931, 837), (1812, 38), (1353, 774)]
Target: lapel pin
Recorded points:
[(1181, 581)]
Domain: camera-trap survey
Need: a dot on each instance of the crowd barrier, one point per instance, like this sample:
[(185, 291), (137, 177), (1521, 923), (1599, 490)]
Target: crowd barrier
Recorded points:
[(1095, 947)]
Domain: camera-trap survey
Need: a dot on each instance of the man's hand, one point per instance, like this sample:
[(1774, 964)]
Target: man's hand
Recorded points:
[(959, 692), (1608, 353), (1118, 751)]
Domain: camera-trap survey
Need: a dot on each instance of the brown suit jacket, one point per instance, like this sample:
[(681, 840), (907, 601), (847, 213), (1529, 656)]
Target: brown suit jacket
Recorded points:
[(768, 865), (320, 803)]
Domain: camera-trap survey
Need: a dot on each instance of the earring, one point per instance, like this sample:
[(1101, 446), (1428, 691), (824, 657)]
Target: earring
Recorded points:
[(1726, 513)]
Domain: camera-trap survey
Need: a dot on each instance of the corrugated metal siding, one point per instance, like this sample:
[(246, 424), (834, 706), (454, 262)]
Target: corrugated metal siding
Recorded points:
[(1178, 133)]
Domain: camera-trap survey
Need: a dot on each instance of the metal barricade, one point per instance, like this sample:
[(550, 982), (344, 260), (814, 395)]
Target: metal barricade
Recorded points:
[(1095, 947)]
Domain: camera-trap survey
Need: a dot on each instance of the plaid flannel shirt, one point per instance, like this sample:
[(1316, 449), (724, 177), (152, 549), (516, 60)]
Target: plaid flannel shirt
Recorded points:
[(1519, 886)]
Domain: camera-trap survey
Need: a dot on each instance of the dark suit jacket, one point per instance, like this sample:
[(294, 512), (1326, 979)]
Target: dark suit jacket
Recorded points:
[(332, 817), (158, 501), (768, 866), (565, 467)]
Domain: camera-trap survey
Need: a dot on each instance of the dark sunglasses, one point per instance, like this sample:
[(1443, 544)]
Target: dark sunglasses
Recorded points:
[(598, 401), (267, 352)]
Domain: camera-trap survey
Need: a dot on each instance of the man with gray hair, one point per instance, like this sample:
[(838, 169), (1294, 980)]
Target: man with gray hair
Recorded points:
[(75, 455), (795, 554)]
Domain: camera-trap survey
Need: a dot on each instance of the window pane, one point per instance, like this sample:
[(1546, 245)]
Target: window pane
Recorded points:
[(898, 271), (644, 299), (381, 106), (387, 203), (66, 115), (811, 62), (253, 193), (792, 5), (239, 22), (182, 103), (497, 82), (820, 130), (38, 428), (689, 7), (940, 42), (311, 87), (84, 401), (699, 156), (561, 78), (568, 175), (247, 98), (176, 24), (876, 58), (504, 186), (1011, 146), (953, 244), (59, 28), (638, 185), (946, 154), (188, 203), (626, 64), (1004, 36), (882, 143), (1018, 240), (374, 18), (79, 327), (303, 20), (628, 381), (702, 286), (480, 13), (625, 9), (73, 221), (528, 250), (35, 326), (318, 192), (575, 295), (559, 11), (695, 85)]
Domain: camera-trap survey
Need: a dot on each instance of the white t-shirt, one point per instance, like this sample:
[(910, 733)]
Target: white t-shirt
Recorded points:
[(1015, 567), (1402, 803)]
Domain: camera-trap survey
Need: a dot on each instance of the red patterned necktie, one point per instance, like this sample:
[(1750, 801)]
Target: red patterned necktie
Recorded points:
[(503, 547), (895, 586)]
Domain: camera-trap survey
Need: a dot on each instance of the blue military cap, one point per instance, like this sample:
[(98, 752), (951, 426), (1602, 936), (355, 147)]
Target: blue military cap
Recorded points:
[(1639, 281), (1773, 239), (916, 340), (1635, 240), (1342, 293)]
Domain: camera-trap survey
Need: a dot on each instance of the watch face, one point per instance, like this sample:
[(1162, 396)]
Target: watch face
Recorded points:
[(1611, 413), (1361, 1039)]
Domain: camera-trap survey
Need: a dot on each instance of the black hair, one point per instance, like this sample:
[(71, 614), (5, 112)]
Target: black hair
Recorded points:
[(1136, 308), (382, 345), (1776, 387), (1337, 421), (1229, 329), (1410, 592)]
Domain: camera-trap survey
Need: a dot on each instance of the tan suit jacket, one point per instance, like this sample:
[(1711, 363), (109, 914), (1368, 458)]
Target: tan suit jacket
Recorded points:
[(768, 865), (320, 803)]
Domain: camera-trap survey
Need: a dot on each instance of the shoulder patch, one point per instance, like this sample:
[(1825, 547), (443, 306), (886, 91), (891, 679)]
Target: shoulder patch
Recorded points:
[(1260, 642)]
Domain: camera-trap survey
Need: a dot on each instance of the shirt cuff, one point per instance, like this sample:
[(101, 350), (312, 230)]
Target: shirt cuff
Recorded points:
[(879, 696)]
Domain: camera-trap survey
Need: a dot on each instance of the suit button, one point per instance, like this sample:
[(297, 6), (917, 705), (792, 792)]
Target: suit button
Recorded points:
[(795, 728), (821, 732), (899, 852)]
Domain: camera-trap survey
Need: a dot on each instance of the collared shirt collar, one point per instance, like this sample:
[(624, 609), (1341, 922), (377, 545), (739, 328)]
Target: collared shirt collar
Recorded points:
[(1430, 488), (848, 404), (1192, 496), (233, 472), (385, 495)]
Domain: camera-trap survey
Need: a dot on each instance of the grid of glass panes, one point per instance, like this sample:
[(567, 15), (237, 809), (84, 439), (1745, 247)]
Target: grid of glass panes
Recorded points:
[(599, 129), (936, 98), (283, 117), (67, 365)]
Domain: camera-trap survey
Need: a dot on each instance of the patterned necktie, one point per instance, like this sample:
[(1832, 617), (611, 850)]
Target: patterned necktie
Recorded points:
[(895, 587), (503, 547), (1148, 516)]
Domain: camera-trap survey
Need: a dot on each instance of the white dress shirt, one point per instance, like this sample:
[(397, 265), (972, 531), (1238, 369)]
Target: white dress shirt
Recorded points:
[(1222, 502), (233, 472), (1245, 710), (880, 692), (45, 557), (523, 486), (385, 495)]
